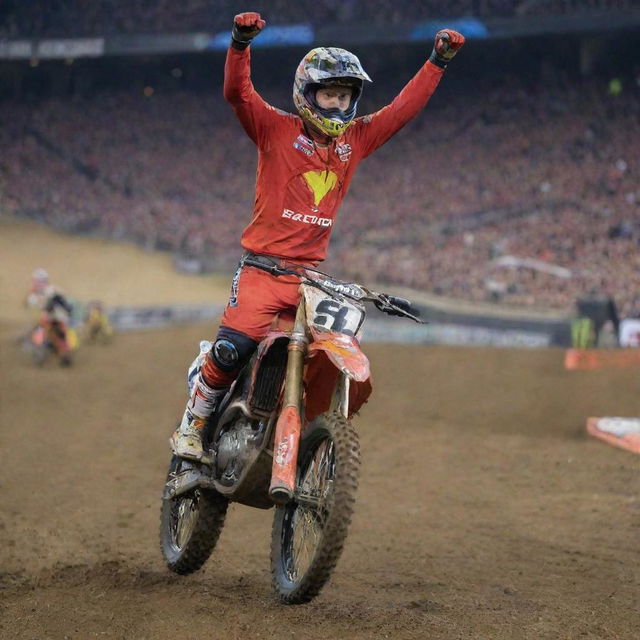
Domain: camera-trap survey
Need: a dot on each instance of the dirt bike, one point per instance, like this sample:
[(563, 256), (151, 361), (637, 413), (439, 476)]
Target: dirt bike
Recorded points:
[(283, 436), (52, 338)]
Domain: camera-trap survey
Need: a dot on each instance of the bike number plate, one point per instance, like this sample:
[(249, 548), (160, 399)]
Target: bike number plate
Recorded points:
[(329, 314)]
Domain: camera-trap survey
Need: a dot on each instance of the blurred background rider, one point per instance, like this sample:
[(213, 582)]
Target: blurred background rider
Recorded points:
[(51, 311)]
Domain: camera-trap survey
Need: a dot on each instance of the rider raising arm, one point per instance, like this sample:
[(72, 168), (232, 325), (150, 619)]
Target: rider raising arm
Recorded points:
[(305, 164)]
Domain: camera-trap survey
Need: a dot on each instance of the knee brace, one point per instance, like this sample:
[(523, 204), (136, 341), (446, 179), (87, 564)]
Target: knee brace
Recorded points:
[(231, 350)]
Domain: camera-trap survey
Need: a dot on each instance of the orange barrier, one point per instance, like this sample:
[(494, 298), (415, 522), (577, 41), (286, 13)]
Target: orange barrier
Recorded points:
[(620, 432), (589, 359)]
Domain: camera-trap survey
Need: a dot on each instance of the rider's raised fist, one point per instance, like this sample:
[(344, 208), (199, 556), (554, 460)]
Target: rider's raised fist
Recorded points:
[(246, 26), (447, 43)]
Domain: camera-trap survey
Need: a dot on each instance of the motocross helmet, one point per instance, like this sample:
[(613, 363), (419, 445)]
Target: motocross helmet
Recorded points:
[(39, 279), (40, 275), (327, 66)]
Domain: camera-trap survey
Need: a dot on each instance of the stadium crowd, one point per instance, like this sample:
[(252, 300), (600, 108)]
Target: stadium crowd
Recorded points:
[(74, 18), (542, 173)]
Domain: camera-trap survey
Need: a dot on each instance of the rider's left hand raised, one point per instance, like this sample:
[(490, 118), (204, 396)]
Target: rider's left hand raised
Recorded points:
[(246, 26), (447, 43)]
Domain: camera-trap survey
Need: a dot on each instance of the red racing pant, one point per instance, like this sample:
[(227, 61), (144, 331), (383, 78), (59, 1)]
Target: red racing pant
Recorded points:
[(257, 300)]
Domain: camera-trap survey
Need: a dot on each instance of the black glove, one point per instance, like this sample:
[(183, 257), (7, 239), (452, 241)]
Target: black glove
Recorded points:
[(246, 26), (385, 301)]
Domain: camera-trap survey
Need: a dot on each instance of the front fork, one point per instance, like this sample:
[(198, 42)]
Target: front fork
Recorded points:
[(289, 425), (288, 428), (340, 398)]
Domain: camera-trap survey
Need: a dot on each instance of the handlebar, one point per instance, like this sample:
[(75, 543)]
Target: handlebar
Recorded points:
[(389, 304)]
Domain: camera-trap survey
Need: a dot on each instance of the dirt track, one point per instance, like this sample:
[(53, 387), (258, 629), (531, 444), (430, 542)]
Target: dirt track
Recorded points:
[(484, 509)]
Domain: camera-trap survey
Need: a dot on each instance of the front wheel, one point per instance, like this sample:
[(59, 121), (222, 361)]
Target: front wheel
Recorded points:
[(309, 532), (190, 524), (39, 353)]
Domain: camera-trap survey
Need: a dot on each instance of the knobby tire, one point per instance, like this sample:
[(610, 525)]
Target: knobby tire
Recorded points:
[(209, 521), (346, 455)]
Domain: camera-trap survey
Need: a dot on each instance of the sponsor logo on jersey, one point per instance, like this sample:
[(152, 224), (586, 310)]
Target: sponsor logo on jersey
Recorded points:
[(304, 144), (320, 182), (343, 151), (307, 218)]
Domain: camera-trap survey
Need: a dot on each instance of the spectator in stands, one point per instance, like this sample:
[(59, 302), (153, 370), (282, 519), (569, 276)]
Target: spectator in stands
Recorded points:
[(78, 18), (546, 172)]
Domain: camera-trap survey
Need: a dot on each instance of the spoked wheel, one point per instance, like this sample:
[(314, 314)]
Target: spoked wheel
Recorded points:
[(190, 525), (309, 532)]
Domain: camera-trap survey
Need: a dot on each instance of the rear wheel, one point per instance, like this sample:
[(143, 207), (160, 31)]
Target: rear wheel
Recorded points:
[(190, 525), (309, 532)]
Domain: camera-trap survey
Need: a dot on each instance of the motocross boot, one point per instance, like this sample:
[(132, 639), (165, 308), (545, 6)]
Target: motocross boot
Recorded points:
[(187, 440)]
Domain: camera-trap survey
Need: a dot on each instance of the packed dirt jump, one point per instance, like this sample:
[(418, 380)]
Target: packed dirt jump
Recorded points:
[(484, 508)]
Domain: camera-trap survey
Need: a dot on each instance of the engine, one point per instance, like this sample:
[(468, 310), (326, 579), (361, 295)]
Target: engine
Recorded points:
[(236, 446)]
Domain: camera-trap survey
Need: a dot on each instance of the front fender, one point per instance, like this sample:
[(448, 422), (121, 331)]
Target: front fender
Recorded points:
[(329, 355), (344, 352)]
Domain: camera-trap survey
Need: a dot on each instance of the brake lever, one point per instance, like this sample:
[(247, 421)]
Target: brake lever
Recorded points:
[(406, 314), (415, 318), (384, 303)]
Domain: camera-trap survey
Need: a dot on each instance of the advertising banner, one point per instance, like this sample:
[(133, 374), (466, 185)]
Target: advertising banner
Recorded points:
[(136, 318), (630, 332)]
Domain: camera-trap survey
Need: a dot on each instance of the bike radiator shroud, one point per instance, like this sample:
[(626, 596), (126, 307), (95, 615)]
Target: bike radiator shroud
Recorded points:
[(269, 375), (244, 458)]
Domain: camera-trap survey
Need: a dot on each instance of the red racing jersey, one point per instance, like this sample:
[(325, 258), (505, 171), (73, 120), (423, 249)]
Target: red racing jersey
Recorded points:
[(300, 185)]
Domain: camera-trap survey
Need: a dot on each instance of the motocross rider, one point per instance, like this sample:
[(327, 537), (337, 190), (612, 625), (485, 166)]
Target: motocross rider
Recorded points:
[(40, 288), (52, 310), (305, 164)]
